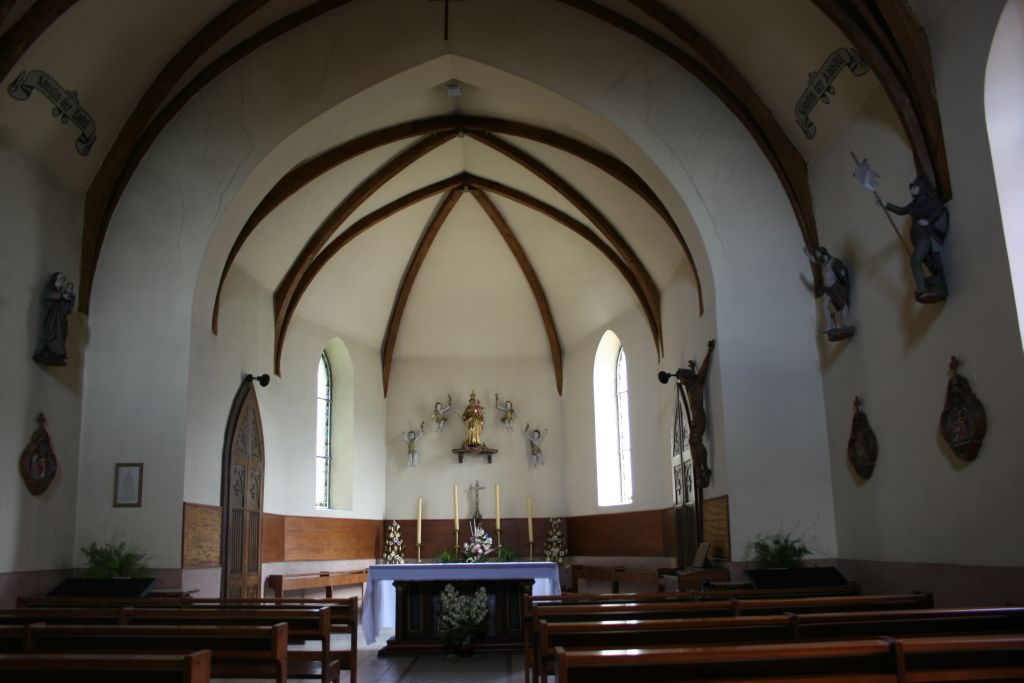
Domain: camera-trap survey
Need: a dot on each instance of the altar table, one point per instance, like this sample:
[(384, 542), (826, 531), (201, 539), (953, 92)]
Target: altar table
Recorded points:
[(379, 597)]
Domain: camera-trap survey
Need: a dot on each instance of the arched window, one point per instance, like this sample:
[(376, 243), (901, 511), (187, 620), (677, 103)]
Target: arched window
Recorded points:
[(611, 423), (323, 433), (1004, 98)]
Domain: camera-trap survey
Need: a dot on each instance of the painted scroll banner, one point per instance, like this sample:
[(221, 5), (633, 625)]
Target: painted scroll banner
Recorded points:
[(65, 104), (819, 85)]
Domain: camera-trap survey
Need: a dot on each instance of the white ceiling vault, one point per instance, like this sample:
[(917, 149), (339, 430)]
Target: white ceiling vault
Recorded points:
[(529, 290)]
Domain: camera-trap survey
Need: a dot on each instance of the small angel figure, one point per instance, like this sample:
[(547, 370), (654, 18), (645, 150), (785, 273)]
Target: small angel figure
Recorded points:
[(410, 438), (535, 437), (508, 415), (441, 415)]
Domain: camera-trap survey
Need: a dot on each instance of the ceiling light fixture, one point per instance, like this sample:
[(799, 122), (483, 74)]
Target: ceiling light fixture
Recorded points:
[(454, 88)]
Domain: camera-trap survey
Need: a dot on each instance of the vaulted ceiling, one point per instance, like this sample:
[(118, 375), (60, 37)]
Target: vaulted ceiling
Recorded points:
[(474, 213)]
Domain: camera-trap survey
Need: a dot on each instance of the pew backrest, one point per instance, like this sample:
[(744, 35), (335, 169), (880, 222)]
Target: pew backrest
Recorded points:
[(106, 668)]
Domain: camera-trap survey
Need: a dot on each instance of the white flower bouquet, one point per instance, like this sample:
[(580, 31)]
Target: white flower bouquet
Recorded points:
[(479, 545)]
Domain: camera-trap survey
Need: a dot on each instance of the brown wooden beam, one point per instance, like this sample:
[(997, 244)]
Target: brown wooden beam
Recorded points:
[(286, 290), (531, 278), (16, 40), (93, 233), (786, 161), (109, 181), (387, 347), (583, 231), (587, 208), (310, 170), (338, 243), (914, 101), (471, 181)]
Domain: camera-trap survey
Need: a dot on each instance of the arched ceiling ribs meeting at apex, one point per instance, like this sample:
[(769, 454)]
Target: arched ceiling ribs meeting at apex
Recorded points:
[(438, 130), (478, 186), (884, 31)]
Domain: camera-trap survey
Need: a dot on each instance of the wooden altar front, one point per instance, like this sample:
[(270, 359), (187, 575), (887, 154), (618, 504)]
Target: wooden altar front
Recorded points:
[(418, 628)]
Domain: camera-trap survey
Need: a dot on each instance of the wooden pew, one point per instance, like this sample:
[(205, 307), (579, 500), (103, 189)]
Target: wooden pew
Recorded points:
[(811, 591), (57, 615), (12, 637), (860, 661), (962, 658), (307, 623), (767, 629), (836, 603), (236, 651), (106, 668), (280, 583)]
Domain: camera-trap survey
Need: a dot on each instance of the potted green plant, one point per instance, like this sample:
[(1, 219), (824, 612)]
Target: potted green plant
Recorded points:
[(115, 560), (781, 550)]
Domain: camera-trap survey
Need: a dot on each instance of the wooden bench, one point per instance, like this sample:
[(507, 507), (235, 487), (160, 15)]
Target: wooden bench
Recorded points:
[(57, 615), (813, 591), (304, 623), (236, 651), (280, 583), (860, 661), (106, 668), (12, 637), (766, 629), (881, 660)]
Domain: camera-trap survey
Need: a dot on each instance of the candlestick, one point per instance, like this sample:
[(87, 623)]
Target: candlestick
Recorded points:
[(419, 522), (497, 507), (529, 522), (498, 534), (456, 542), (419, 552), (455, 497)]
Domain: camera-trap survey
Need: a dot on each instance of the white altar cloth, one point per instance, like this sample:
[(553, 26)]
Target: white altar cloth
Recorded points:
[(379, 596)]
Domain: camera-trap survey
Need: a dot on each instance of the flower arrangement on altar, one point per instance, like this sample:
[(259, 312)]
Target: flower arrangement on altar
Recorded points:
[(462, 616), (394, 547), (555, 549), (479, 545)]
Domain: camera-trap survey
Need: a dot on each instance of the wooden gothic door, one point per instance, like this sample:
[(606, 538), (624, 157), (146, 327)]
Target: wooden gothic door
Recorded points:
[(242, 496)]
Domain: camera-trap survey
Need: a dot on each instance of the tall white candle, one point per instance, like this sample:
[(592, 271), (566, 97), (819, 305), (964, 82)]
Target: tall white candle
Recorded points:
[(497, 506), (419, 521), (529, 518), (455, 497)]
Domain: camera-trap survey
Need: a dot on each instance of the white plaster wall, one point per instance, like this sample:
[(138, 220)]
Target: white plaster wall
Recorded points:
[(287, 407), (922, 504), (40, 235), (416, 384), (766, 373)]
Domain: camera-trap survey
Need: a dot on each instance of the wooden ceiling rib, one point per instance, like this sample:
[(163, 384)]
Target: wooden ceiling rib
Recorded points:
[(785, 159), (337, 244), (29, 26), (587, 208), (308, 171), (387, 347), (94, 231), (285, 291), (904, 70), (531, 278), (470, 181)]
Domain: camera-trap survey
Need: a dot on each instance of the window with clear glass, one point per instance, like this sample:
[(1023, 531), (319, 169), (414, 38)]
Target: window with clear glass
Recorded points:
[(323, 433), (622, 422)]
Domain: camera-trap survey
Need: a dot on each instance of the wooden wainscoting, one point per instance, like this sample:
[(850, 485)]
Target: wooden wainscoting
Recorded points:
[(288, 538), (439, 534), (716, 527), (200, 536), (643, 533)]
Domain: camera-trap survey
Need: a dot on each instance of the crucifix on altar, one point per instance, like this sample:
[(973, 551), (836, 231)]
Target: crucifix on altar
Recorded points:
[(476, 489)]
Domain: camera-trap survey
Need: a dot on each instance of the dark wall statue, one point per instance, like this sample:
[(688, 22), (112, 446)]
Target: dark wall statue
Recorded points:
[(963, 422), (58, 302), (38, 464), (862, 448)]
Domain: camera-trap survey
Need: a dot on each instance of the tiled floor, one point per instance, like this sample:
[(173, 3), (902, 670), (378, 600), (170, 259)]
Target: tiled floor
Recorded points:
[(481, 668)]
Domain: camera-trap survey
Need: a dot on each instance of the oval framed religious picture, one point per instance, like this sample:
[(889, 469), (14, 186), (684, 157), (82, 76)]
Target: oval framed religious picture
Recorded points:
[(38, 464), (862, 448), (963, 422)]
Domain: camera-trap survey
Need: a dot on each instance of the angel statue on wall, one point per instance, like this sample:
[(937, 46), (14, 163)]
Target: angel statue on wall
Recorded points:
[(835, 301), (508, 415), (411, 437), (441, 415), (534, 436)]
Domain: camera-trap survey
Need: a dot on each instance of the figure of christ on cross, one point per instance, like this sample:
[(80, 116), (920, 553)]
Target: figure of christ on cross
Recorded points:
[(476, 489)]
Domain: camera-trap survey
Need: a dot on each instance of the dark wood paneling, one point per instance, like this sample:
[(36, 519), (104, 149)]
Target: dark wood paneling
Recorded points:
[(200, 536), (716, 527), (438, 535), (328, 538), (641, 533), (273, 538)]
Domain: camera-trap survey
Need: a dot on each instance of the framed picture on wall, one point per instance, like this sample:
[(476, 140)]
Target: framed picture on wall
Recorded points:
[(677, 484), (128, 485)]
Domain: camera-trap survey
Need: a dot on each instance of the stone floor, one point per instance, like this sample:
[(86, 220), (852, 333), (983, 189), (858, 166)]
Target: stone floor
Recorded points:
[(481, 668)]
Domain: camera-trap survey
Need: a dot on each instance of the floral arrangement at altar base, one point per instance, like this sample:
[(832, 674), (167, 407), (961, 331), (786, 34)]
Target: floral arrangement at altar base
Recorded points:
[(462, 617), (555, 549), (394, 547), (479, 545)]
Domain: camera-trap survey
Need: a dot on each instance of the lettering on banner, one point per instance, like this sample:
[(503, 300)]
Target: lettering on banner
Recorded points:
[(819, 85), (65, 104)]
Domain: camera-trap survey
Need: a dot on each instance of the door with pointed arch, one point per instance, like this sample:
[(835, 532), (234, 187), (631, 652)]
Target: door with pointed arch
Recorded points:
[(242, 496)]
